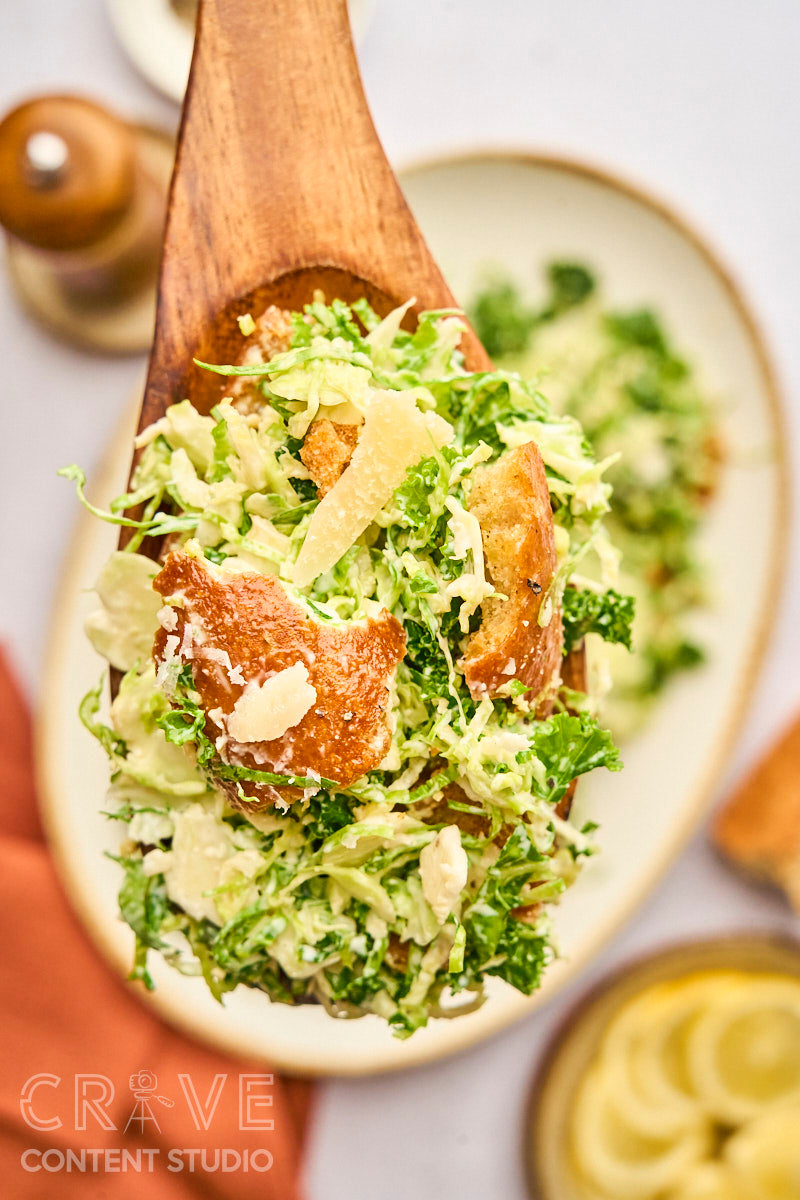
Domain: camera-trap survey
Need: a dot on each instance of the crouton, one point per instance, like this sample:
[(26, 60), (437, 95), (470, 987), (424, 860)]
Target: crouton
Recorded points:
[(758, 829), (397, 953), (437, 811), (529, 914), (326, 452), (239, 630), (271, 336), (511, 501)]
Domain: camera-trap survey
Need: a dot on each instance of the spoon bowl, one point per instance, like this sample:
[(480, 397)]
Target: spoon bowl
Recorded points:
[(281, 187)]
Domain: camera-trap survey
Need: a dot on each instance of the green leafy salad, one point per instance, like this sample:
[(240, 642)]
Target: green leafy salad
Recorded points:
[(637, 397), (391, 867)]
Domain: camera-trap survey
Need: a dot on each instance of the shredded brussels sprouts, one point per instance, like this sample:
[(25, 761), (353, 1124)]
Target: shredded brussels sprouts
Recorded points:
[(341, 894), (643, 405)]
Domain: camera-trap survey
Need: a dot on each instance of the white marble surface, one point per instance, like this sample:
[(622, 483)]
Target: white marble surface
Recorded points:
[(696, 99)]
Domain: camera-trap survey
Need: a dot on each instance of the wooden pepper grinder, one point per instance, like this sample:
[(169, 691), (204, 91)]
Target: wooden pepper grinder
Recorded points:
[(82, 200)]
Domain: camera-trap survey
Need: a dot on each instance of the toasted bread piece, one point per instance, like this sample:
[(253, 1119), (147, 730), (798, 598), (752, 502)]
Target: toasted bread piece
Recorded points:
[(758, 829), (511, 500), (573, 669), (271, 336), (437, 811), (249, 618), (397, 953), (326, 452)]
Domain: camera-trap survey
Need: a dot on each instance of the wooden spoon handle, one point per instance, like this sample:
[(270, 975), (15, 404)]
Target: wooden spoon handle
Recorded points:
[(278, 170)]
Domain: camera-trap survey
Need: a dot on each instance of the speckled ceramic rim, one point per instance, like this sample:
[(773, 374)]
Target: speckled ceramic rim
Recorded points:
[(750, 951), (339, 1063)]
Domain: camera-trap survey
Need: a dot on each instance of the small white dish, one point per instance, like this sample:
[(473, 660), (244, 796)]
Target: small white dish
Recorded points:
[(516, 211)]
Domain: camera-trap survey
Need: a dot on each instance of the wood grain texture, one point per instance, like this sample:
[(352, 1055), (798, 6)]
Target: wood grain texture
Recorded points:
[(280, 187)]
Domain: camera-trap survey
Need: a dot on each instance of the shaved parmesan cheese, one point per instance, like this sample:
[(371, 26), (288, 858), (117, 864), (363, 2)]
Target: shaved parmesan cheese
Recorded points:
[(186, 650), (218, 656), (471, 587), (223, 658), (472, 590), (396, 435), (170, 666), (264, 711), (168, 618), (443, 867), (466, 534)]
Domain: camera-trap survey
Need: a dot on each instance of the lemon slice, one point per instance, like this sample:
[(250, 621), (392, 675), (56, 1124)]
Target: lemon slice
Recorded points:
[(644, 1053), (711, 1181), (581, 1190), (743, 1053), (615, 1157), (764, 1156)]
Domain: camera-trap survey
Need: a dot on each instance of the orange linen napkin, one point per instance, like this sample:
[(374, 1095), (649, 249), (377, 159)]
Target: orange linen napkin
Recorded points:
[(72, 1033)]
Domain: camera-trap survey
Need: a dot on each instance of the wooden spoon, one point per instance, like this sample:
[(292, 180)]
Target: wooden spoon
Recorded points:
[(280, 187)]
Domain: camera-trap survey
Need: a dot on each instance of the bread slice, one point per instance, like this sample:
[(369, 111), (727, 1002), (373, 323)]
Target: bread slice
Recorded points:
[(758, 828), (240, 628), (511, 500)]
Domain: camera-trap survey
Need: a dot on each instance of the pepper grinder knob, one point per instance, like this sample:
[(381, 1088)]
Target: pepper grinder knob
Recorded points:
[(82, 202), (46, 158)]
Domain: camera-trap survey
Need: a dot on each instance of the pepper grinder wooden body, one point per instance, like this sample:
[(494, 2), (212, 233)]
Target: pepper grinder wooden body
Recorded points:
[(82, 201)]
